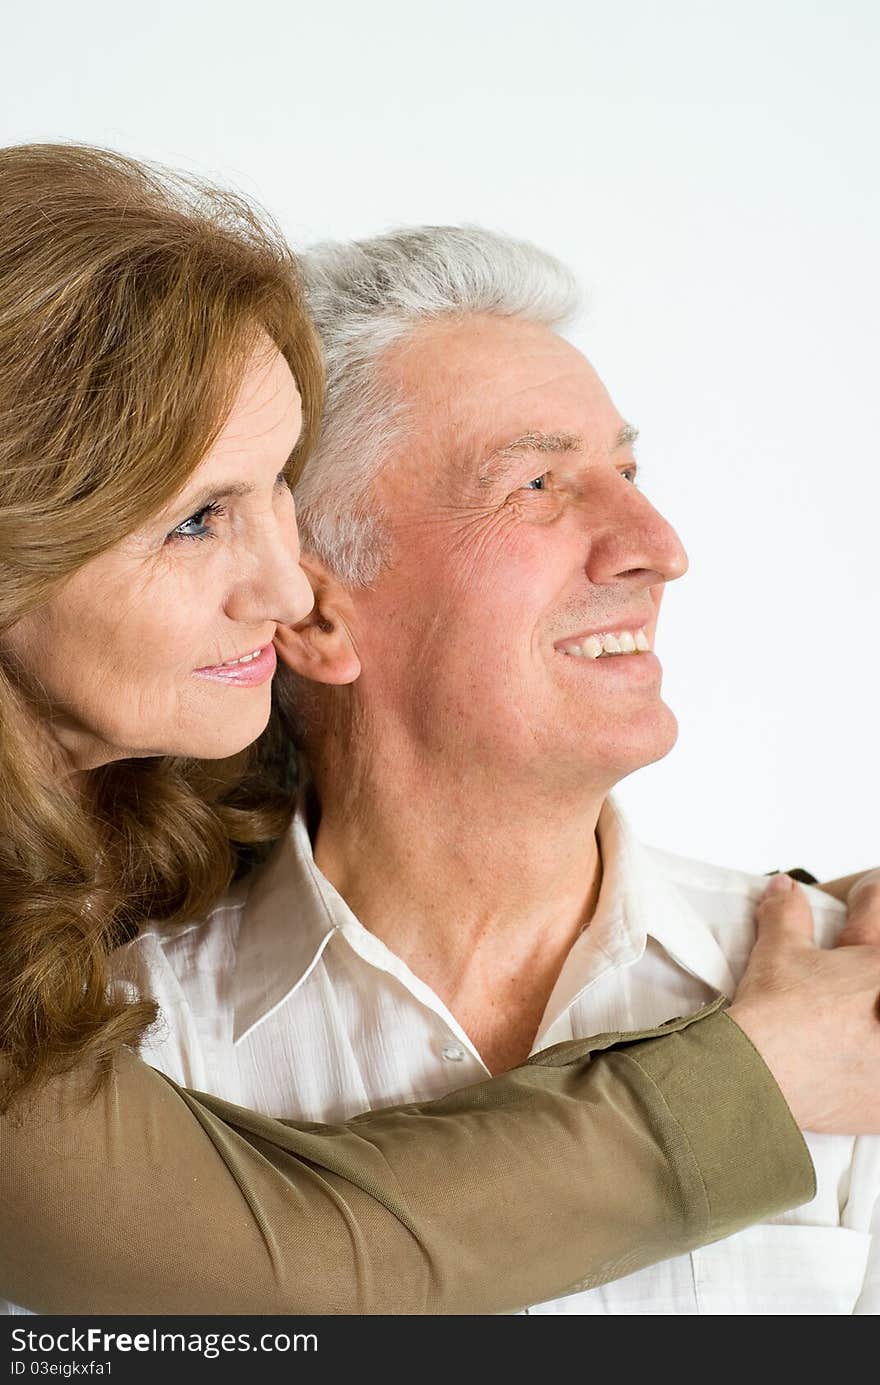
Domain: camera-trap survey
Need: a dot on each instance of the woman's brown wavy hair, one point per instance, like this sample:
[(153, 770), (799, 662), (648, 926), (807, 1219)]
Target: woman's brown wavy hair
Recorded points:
[(130, 299)]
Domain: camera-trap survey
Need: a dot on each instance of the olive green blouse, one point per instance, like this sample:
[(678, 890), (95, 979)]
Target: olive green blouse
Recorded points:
[(591, 1160)]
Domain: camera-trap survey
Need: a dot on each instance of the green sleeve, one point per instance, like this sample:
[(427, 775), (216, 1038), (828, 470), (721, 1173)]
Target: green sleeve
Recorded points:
[(593, 1159)]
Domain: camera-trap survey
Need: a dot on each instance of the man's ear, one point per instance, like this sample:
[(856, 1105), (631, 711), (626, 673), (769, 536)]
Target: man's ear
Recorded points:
[(321, 647)]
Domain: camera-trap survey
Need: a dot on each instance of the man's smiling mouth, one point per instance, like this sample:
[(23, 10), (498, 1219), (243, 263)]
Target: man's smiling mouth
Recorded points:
[(602, 645)]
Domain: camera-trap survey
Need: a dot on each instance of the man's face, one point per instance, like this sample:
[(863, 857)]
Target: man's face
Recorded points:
[(518, 535)]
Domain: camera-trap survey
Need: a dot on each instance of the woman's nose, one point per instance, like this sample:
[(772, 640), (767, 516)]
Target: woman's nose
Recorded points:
[(275, 588)]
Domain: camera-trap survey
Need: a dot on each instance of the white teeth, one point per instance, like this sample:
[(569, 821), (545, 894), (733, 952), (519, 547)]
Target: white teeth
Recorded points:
[(245, 659), (596, 646)]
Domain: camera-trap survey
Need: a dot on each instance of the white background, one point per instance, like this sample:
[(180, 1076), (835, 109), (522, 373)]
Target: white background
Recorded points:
[(711, 172)]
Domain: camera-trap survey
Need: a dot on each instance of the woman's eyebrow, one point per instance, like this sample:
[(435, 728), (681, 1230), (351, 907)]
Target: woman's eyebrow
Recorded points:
[(225, 490), (194, 503)]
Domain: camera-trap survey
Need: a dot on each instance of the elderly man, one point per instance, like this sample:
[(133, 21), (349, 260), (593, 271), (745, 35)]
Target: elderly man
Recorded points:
[(458, 889)]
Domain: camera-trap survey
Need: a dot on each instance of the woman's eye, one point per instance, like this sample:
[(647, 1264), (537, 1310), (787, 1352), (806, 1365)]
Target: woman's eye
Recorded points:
[(195, 527)]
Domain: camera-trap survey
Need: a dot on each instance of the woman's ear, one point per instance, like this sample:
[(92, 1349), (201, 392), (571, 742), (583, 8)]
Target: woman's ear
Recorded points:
[(320, 647)]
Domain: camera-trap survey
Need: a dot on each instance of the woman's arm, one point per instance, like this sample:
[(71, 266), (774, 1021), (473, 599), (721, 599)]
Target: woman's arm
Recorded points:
[(561, 1174), (591, 1160)]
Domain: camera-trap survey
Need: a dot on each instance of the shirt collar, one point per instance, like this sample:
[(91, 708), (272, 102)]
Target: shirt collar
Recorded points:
[(638, 900), (289, 918), (291, 912), (659, 908)]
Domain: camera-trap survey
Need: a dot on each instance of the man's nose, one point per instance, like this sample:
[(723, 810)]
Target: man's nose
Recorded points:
[(273, 585), (629, 537)]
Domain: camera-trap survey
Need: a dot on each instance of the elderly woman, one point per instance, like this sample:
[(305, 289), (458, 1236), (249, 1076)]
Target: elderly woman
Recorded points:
[(160, 385)]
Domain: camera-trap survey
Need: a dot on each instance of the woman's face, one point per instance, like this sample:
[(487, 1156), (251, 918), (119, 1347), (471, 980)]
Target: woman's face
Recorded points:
[(137, 652)]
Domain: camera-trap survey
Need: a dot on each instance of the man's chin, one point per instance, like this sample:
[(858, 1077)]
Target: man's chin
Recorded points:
[(665, 733), (638, 744)]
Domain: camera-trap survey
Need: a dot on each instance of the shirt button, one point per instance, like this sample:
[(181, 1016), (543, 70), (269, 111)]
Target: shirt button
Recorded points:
[(452, 1053)]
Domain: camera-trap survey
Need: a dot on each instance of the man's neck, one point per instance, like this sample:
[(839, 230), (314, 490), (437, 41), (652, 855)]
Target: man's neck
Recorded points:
[(480, 889)]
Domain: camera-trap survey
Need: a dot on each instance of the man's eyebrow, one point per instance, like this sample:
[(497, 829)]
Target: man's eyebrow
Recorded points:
[(627, 436), (500, 461)]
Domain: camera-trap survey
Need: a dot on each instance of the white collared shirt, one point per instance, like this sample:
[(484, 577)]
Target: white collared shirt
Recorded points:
[(282, 1001)]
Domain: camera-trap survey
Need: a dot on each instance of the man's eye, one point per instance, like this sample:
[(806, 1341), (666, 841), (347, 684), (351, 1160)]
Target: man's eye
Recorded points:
[(539, 483), (631, 474)]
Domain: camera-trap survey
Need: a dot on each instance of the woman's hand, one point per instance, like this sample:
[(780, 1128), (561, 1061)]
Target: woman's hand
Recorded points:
[(813, 1013), (863, 910), (843, 887)]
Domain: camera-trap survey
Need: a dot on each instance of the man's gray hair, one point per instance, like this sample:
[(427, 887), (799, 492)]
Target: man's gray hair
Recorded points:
[(367, 295)]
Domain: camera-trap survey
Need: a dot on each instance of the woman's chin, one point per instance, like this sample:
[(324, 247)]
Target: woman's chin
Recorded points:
[(219, 737), (226, 741)]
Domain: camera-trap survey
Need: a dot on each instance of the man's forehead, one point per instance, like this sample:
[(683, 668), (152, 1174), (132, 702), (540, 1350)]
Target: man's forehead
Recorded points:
[(459, 363), (490, 390)]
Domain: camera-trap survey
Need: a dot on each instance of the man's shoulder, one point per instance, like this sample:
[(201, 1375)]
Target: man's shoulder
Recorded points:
[(182, 948), (188, 969), (726, 897)]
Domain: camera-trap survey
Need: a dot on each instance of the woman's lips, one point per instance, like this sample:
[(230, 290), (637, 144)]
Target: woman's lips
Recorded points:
[(247, 675)]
